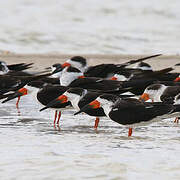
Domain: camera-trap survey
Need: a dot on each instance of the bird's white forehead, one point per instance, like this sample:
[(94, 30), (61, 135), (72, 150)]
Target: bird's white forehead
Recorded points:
[(74, 63), (71, 95), (103, 101), (150, 90), (68, 60)]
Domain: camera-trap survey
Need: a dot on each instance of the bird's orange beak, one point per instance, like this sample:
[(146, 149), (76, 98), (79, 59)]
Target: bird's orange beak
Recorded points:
[(62, 98), (144, 97), (23, 91), (114, 78), (177, 79), (66, 64), (95, 104), (81, 77)]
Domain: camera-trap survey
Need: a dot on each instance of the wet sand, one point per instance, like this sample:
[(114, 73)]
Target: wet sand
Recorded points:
[(43, 60)]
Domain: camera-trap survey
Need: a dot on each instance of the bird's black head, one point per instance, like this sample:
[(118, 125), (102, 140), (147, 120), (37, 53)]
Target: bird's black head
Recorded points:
[(57, 65), (56, 68), (154, 87), (3, 66), (72, 69), (37, 84), (79, 59), (78, 91), (144, 66), (109, 97)]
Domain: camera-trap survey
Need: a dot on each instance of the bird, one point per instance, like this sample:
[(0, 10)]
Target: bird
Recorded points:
[(4, 68), (129, 112), (13, 83), (72, 77), (42, 93), (108, 70), (73, 84), (160, 93), (143, 66), (17, 69), (79, 97), (100, 70), (11, 76), (78, 62)]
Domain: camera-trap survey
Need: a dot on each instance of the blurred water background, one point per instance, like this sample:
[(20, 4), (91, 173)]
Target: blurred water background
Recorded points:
[(86, 27)]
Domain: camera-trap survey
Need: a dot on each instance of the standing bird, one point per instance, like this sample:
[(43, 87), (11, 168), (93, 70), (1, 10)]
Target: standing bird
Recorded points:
[(79, 98), (129, 112), (43, 93)]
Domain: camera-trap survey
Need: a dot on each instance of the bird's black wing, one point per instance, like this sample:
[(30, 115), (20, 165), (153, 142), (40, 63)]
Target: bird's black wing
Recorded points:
[(101, 70), (20, 66), (133, 111), (169, 94), (96, 83), (49, 93)]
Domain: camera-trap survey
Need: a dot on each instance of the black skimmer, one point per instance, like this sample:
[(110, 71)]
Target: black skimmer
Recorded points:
[(161, 93), (55, 70), (107, 70), (143, 66), (129, 112), (127, 73), (72, 77), (101, 70), (18, 69), (78, 62), (43, 93), (133, 74), (13, 83), (122, 76), (79, 98), (147, 77), (14, 69)]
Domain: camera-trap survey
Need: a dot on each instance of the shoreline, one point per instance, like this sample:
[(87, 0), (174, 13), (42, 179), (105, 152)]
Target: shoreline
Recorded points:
[(44, 60)]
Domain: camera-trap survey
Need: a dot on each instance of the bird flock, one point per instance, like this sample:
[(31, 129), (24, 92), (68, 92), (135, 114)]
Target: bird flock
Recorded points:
[(130, 96)]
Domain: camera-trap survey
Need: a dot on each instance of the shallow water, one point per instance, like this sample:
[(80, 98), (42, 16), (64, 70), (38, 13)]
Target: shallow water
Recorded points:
[(31, 148), (100, 27)]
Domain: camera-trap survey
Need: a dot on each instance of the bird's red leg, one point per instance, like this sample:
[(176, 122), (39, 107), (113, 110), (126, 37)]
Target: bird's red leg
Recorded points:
[(59, 117), (17, 103), (55, 116), (130, 132), (96, 123), (176, 120)]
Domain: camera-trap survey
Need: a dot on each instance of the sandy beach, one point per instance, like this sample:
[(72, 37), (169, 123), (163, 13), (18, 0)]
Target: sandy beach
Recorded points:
[(43, 60)]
